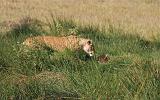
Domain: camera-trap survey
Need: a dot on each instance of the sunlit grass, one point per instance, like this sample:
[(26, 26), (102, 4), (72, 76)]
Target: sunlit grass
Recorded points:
[(140, 16)]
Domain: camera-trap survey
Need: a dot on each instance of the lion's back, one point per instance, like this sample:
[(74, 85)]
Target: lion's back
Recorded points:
[(56, 43)]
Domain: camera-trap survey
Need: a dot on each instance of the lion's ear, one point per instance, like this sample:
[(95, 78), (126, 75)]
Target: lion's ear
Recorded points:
[(89, 42)]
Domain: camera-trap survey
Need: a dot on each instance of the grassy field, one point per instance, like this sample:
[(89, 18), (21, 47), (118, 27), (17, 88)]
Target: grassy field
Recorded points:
[(127, 30), (140, 16), (132, 73)]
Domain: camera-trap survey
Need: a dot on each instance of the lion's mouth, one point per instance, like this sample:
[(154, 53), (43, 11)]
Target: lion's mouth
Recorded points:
[(90, 55)]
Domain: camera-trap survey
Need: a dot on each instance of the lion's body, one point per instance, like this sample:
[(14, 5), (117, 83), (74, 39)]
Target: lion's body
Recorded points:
[(57, 43)]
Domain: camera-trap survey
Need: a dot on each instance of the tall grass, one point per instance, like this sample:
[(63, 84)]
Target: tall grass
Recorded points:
[(142, 16), (132, 72)]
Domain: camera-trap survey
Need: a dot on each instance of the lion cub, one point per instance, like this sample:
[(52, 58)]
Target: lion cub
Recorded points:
[(61, 43)]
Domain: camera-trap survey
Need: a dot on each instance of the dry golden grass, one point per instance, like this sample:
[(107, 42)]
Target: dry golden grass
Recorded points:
[(138, 16)]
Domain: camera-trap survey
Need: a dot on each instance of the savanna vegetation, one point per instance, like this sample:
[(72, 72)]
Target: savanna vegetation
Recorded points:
[(140, 16), (128, 31), (132, 72)]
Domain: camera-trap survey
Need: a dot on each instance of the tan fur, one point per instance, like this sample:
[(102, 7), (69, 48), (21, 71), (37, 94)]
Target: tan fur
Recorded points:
[(56, 43)]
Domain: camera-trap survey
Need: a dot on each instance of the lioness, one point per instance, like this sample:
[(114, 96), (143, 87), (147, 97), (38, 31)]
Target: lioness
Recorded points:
[(61, 43)]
